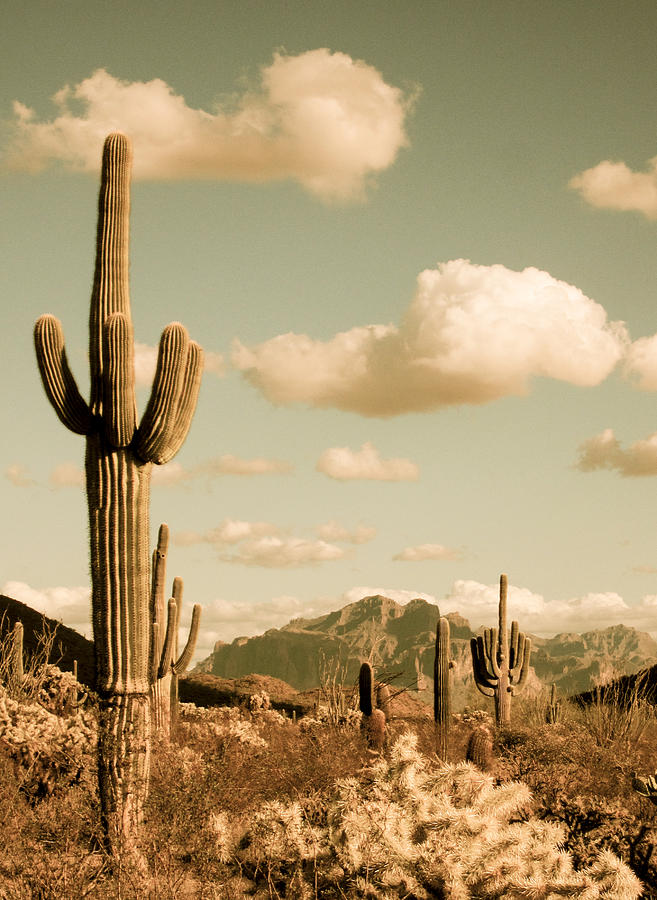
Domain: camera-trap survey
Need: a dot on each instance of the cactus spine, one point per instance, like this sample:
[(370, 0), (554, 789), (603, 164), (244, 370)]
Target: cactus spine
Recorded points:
[(166, 663), (120, 454), (500, 664), (441, 693)]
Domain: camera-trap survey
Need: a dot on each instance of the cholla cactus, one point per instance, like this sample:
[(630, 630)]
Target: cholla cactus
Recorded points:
[(120, 453), (407, 828), (500, 664), (166, 664)]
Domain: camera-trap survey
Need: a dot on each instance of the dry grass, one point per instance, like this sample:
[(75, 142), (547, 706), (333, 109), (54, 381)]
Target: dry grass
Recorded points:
[(578, 774)]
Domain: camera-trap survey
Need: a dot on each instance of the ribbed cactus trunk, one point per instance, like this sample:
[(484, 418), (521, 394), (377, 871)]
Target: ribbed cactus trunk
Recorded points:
[(503, 692), (441, 693), (119, 458)]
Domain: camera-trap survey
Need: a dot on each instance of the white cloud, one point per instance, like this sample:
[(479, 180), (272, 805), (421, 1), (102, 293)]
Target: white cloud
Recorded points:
[(275, 552), (604, 451), (472, 334), (333, 531), (66, 474), (345, 464), (230, 531), (72, 606), (641, 363), (613, 185), (145, 358), (399, 596), (18, 475), (228, 464), (322, 118), (479, 604), (423, 552)]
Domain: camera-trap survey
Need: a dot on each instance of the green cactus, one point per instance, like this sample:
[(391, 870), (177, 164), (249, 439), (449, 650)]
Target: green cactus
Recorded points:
[(441, 689), (500, 663), (120, 454), (166, 664), (553, 709)]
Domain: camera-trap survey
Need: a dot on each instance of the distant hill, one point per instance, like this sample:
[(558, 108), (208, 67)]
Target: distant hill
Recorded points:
[(67, 646), (401, 638)]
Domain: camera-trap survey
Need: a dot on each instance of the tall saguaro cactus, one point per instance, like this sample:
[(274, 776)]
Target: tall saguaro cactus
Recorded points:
[(166, 664), (500, 663), (441, 688), (120, 453)]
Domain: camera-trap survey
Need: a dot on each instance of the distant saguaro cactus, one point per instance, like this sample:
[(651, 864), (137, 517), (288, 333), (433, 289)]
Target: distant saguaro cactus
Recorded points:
[(553, 709), (16, 671), (500, 664), (166, 664), (374, 720), (441, 688), (120, 454)]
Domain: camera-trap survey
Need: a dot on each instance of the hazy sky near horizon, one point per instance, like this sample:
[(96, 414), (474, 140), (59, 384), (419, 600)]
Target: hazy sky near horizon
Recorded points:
[(417, 244)]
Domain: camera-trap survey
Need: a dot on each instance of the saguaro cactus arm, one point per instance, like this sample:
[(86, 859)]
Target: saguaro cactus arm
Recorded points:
[(180, 665), (482, 680), (58, 381)]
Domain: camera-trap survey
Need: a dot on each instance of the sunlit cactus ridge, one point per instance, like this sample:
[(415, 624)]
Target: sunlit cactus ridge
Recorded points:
[(119, 458), (500, 661)]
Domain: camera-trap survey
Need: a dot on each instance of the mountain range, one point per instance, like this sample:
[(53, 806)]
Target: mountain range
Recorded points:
[(399, 639)]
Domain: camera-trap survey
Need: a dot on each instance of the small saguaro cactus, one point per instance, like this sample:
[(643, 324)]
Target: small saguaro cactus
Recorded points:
[(374, 720), (553, 709), (166, 664), (500, 664), (442, 710), (120, 454), (16, 672)]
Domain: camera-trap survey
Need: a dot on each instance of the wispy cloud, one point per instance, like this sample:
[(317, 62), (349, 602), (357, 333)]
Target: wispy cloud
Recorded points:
[(613, 185), (66, 474), (345, 464), (322, 118), (423, 552), (641, 363), (604, 451), (333, 531), (472, 334), (230, 531), (18, 475)]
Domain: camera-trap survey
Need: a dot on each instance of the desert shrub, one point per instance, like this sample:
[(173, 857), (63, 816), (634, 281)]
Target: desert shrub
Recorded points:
[(48, 750), (405, 828)]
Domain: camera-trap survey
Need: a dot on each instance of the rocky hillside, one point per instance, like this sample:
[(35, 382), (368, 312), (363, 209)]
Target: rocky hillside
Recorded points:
[(400, 639)]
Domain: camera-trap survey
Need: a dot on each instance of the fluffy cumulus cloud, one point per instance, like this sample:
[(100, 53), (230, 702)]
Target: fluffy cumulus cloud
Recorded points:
[(262, 544), (479, 604), (322, 118), (640, 364), (345, 464), (423, 552), (72, 606), (333, 531), (604, 451), (472, 334), (613, 185)]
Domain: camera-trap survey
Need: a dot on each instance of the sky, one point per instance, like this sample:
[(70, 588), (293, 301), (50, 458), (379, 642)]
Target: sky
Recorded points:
[(416, 242)]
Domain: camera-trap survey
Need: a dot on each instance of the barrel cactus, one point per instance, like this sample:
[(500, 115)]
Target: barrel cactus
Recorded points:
[(120, 454)]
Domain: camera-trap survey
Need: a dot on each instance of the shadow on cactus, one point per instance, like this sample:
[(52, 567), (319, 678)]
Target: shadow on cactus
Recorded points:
[(120, 453)]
